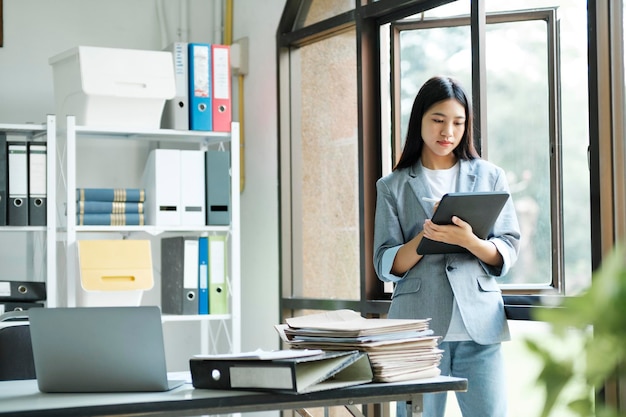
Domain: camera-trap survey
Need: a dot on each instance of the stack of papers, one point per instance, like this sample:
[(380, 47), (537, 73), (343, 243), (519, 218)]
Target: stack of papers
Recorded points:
[(398, 349)]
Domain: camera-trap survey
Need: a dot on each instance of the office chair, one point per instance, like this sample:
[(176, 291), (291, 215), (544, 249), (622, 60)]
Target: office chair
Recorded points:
[(16, 351)]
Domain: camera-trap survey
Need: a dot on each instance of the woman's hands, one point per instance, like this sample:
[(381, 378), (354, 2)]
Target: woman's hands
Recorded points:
[(460, 233)]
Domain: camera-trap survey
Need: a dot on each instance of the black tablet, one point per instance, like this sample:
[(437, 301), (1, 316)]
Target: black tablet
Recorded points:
[(479, 209)]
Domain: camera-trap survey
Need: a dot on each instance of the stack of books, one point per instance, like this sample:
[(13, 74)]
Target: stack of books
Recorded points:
[(399, 350), (110, 206)]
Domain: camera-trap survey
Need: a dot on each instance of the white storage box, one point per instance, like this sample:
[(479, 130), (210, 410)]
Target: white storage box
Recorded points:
[(109, 87), (113, 272)]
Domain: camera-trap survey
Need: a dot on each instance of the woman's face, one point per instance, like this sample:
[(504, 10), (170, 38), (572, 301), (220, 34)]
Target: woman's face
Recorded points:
[(443, 125)]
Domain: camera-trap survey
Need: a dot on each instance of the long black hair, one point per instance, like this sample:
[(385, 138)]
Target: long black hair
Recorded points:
[(433, 91)]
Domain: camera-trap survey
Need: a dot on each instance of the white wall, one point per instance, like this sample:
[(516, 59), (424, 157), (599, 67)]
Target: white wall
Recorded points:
[(259, 201), (35, 30)]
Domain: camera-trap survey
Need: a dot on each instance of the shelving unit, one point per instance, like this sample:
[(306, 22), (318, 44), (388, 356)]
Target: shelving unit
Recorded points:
[(40, 259), (227, 327)]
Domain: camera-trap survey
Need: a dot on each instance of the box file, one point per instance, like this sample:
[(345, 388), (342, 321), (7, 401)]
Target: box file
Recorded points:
[(218, 187), (200, 91), (179, 275), (192, 189), (176, 111), (221, 85), (218, 275), (161, 179), (113, 272), (17, 157), (22, 291), (112, 86), (203, 275), (37, 190)]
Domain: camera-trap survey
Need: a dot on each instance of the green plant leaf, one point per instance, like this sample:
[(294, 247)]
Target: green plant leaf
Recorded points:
[(600, 314)]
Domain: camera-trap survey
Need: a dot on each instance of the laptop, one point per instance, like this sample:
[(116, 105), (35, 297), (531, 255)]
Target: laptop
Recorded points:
[(99, 349)]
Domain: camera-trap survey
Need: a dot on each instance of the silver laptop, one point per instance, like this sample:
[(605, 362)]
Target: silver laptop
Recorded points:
[(99, 349)]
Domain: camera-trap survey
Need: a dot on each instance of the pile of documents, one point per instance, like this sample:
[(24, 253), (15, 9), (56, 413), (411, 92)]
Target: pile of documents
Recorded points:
[(398, 349)]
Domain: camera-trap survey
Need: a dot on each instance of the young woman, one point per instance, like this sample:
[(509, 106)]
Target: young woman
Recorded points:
[(457, 291)]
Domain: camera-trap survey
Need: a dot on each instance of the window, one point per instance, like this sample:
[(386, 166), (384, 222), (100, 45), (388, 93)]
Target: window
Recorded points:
[(323, 166), (540, 142), (551, 108), (338, 134)]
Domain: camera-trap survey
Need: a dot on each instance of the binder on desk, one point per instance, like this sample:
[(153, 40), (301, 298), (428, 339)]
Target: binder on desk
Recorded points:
[(37, 191), (4, 182), (218, 271), (221, 80), (218, 188), (17, 157), (179, 275), (192, 188), (200, 94), (22, 291), (176, 110), (161, 179), (203, 275), (295, 375)]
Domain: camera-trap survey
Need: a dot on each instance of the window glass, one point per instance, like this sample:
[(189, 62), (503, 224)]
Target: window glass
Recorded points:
[(319, 10), (519, 137), (325, 173)]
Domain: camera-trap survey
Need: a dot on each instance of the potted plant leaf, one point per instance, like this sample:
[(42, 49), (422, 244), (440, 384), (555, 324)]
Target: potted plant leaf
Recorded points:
[(599, 316)]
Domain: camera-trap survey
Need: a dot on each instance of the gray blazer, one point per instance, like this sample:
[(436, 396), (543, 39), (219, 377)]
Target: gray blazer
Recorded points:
[(429, 288)]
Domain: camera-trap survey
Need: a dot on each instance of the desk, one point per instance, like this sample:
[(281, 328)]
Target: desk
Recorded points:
[(22, 399)]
